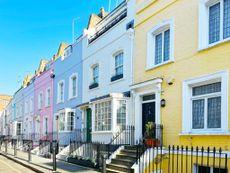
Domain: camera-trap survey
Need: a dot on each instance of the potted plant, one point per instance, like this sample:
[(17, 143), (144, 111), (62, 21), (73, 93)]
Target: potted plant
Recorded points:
[(150, 140)]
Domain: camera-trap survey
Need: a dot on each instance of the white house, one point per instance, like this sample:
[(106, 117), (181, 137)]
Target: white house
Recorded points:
[(107, 72)]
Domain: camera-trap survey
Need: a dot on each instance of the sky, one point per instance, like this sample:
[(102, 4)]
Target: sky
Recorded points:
[(33, 29)]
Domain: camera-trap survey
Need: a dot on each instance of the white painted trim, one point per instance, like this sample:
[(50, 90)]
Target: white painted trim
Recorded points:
[(58, 93), (70, 86), (46, 97), (161, 27), (155, 86), (186, 108), (40, 102), (151, 82), (204, 24)]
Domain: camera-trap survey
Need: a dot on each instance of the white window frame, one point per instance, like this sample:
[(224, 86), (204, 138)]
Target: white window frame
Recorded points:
[(59, 100), (66, 123), (71, 96), (94, 115), (222, 77), (40, 101), (151, 35), (204, 24), (114, 60), (44, 125), (92, 73), (48, 97)]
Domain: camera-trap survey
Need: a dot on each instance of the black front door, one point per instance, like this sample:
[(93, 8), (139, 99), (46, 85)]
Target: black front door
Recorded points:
[(148, 114)]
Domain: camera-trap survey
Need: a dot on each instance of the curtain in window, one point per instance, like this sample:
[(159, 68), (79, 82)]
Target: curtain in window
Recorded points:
[(214, 112), (158, 49), (198, 114), (214, 23), (226, 18), (166, 45)]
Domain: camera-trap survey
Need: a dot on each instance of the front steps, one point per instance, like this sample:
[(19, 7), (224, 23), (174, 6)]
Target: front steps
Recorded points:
[(123, 161)]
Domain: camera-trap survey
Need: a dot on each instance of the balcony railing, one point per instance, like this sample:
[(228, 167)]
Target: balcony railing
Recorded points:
[(110, 25)]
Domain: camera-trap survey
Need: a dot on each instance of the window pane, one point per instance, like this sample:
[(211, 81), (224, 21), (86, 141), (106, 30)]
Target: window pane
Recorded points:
[(214, 112), (103, 116), (149, 97), (221, 170), (206, 89), (198, 114), (158, 49), (121, 114), (205, 169), (166, 45), (226, 18), (214, 23)]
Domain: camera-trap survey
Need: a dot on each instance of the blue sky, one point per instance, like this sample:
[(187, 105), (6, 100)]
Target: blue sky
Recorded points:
[(32, 29)]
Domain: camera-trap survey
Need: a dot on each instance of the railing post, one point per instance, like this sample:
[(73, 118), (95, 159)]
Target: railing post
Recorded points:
[(54, 156), (103, 164), (15, 148), (6, 146), (29, 152)]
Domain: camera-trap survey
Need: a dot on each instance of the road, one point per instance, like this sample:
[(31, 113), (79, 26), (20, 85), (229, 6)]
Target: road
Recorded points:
[(8, 166)]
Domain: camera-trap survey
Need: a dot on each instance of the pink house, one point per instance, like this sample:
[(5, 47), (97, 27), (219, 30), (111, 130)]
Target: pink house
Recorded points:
[(44, 100)]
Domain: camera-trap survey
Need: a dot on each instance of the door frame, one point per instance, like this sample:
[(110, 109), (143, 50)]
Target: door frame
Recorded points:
[(88, 132), (138, 109), (144, 102)]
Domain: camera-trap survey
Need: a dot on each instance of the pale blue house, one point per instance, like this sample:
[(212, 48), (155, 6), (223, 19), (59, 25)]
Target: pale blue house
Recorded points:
[(68, 94)]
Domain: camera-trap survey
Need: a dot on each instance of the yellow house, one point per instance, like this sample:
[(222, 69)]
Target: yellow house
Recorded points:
[(181, 71)]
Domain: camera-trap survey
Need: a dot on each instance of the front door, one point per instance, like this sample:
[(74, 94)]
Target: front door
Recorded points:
[(148, 115), (88, 125)]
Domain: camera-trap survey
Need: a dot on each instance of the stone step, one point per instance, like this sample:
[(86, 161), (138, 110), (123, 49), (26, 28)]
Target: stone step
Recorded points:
[(129, 147), (124, 156), (119, 168), (113, 171), (126, 162), (129, 152)]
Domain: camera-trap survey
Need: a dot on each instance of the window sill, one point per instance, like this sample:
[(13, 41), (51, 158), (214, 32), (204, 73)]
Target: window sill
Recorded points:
[(210, 46), (94, 85), (72, 98), (159, 65), (60, 102), (116, 81), (209, 133), (116, 78)]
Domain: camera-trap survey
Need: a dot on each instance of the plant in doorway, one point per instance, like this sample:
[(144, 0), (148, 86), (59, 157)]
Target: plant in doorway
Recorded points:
[(150, 139)]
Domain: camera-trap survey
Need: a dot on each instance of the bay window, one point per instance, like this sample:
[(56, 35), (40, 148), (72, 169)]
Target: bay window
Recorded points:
[(70, 121), (121, 114), (103, 116)]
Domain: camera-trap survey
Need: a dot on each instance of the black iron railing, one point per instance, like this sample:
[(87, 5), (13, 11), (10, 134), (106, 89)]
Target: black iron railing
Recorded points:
[(179, 159), (125, 136)]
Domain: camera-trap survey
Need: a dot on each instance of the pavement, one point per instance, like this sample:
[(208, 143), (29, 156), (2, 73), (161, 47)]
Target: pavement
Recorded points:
[(9, 166), (43, 165)]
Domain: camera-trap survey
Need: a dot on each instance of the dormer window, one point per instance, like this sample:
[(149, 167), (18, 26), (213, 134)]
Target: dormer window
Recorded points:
[(68, 51)]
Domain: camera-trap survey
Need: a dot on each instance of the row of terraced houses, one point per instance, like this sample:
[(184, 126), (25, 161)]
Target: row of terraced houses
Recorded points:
[(159, 63)]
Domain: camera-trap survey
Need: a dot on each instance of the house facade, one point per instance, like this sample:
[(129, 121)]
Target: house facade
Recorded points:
[(43, 102), (28, 119), (107, 72), (18, 109), (181, 71), (68, 94)]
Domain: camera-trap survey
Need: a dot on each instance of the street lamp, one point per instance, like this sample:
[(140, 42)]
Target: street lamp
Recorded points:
[(57, 117), (73, 23)]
